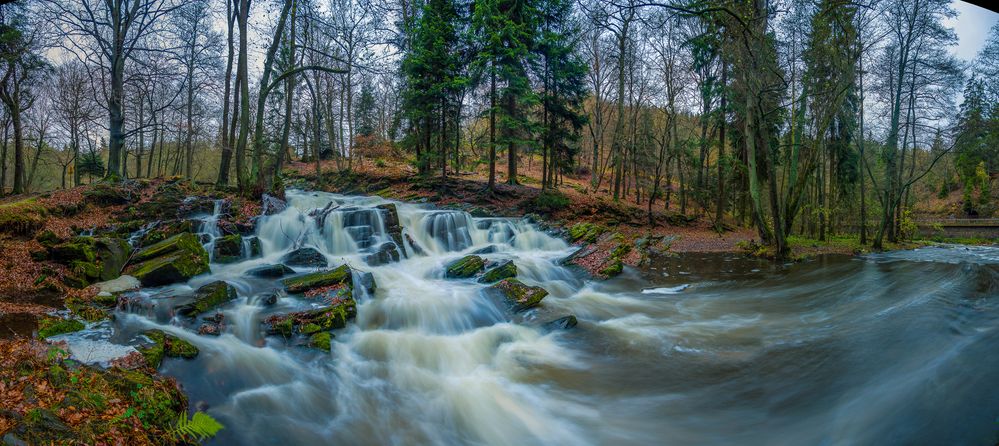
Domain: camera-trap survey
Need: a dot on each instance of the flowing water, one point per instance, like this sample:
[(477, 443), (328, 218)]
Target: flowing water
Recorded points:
[(896, 348)]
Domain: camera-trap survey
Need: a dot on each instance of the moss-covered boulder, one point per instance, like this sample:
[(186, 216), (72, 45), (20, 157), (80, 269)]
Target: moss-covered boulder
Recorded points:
[(166, 230), (54, 326), (175, 259), (91, 259), (340, 275), (82, 249), (518, 295), (48, 238), (208, 297), (586, 232), (312, 322), (321, 341), (465, 267), (228, 249), (305, 257), (112, 254), (270, 271), (166, 345), (255, 249), (502, 271)]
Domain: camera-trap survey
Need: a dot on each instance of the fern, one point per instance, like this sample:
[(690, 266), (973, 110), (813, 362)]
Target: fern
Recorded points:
[(201, 426)]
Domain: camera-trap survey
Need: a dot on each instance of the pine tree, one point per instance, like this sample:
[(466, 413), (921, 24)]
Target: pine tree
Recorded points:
[(366, 111)]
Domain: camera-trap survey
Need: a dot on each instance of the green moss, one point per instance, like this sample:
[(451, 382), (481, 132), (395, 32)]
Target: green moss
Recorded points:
[(22, 218), (301, 284), (586, 232), (519, 295), (228, 249), (284, 327), (321, 341), (53, 326), (180, 242), (170, 269), (465, 267), (166, 345), (48, 238), (209, 297), (614, 268), (83, 249), (505, 270), (310, 328)]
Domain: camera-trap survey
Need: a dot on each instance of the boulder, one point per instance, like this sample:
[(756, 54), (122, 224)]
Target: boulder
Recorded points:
[(119, 285), (166, 345), (465, 267), (387, 252), (208, 297), (504, 270), (321, 341), (270, 205), (562, 323), (269, 299), (166, 230), (175, 259), (270, 271), (518, 295), (54, 326), (301, 284), (91, 259), (415, 247), (228, 249), (255, 249), (213, 325), (487, 250), (113, 254), (366, 280), (310, 322), (305, 257), (390, 216)]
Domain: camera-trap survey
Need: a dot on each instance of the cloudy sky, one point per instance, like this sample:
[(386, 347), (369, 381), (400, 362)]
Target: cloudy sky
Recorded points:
[(972, 27)]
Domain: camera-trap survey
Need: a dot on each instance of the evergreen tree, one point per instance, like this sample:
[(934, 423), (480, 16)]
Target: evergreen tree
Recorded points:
[(563, 77), (366, 111)]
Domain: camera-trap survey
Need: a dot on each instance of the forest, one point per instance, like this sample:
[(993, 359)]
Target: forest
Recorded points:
[(798, 117), (498, 222)]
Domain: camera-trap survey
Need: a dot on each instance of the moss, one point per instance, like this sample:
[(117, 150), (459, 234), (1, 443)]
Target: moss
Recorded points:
[(209, 297), (170, 269), (310, 328), (181, 242), (48, 238), (615, 267), (284, 327), (166, 345), (586, 232), (505, 270), (82, 249), (53, 326), (519, 295), (108, 193), (321, 341), (22, 218), (465, 267), (88, 313), (228, 249), (301, 284)]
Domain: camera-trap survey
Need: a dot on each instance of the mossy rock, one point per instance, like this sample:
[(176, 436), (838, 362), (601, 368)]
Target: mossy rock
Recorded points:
[(301, 284), (166, 345), (54, 326), (107, 193), (48, 238), (255, 249), (165, 231), (113, 254), (208, 297), (465, 267), (228, 249), (81, 249), (587, 232), (22, 218), (176, 259), (313, 321), (305, 257), (518, 295), (505, 270), (321, 341)]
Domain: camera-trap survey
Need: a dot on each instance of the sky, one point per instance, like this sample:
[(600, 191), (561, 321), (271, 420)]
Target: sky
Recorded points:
[(972, 26)]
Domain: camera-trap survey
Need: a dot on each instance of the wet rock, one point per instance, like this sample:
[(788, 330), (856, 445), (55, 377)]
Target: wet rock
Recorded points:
[(213, 325), (321, 341), (166, 230), (166, 345), (465, 267), (192, 206), (391, 219), (228, 249), (491, 249), (520, 296), (562, 323), (270, 271), (366, 281), (255, 249), (271, 205), (309, 322), (504, 270), (305, 257), (387, 252), (415, 247), (301, 284), (269, 299), (175, 259), (208, 297), (119, 285), (112, 254)]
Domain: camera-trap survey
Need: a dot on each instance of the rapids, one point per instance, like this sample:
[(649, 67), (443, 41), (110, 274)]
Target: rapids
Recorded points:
[(896, 348)]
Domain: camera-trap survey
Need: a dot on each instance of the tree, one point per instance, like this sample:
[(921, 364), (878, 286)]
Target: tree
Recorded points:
[(21, 63)]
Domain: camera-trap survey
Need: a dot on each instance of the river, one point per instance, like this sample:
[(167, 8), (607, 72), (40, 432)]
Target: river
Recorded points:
[(895, 348)]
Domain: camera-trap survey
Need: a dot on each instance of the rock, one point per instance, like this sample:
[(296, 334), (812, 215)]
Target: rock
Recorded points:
[(54, 326), (586, 232), (301, 284), (121, 284), (465, 267), (192, 206), (270, 205), (505, 270), (166, 345), (166, 230), (487, 250), (270, 271), (562, 323), (313, 321), (112, 254), (269, 299), (305, 257), (391, 219), (321, 341), (255, 249), (519, 295), (417, 249), (175, 259), (48, 238), (228, 249), (387, 252), (367, 281), (208, 297), (213, 325)]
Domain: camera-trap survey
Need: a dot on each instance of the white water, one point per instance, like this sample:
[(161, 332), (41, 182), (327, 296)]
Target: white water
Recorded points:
[(843, 354)]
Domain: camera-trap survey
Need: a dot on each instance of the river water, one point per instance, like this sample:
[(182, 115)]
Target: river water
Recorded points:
[(896, 348)]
